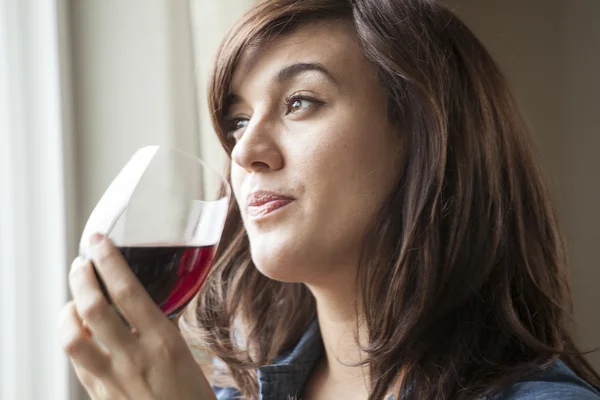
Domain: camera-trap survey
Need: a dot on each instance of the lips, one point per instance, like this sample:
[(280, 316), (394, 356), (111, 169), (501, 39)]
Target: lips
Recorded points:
[(261, 202)]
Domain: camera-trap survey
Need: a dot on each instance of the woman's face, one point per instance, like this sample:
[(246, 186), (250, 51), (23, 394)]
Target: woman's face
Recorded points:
[(315, 154)]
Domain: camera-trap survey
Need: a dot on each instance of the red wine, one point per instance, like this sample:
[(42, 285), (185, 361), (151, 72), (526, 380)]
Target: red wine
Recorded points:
[(172, 275)]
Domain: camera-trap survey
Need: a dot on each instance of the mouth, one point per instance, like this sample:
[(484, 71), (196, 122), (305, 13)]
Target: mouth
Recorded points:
[(262, 203)]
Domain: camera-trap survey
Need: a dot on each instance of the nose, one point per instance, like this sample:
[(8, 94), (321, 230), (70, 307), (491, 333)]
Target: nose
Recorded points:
[(257, 150)]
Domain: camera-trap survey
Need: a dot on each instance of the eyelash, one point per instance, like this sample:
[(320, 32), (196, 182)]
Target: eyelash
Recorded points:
[(298, 97), (232, 123)]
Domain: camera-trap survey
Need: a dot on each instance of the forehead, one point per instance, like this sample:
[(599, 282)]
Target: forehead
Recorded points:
[(332, 44)]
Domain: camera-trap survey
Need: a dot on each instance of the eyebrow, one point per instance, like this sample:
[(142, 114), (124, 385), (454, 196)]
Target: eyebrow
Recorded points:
[(285, 75), (291, 71)]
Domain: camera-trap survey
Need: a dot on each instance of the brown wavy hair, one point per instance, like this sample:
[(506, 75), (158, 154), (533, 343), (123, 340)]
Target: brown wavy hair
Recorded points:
[(464, 272)]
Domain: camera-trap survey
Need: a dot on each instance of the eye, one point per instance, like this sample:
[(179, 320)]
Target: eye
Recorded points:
[(296, 103), (239, 123), (235, 124)]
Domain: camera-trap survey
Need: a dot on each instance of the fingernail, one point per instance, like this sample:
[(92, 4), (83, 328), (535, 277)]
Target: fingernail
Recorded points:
[(96, 239)]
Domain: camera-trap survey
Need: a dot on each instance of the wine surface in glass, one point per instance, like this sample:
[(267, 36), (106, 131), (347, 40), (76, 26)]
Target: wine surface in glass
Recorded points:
[(171, 274)]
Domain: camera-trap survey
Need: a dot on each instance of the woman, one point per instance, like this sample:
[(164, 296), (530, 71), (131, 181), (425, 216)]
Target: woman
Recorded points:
[(391, 234)]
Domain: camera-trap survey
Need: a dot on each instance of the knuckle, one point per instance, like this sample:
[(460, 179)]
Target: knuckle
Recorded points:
[(76, 268), (107, 254), (132, 368), (71, 335), (72, 342), (124, 291), (94, 308), (167, 348)]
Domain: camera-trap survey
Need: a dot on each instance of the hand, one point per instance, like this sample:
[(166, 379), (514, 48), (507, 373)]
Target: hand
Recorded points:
[(149, 361)]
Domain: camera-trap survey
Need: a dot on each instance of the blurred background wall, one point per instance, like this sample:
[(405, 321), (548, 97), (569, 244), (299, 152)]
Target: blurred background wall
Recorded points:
[(132, 83)]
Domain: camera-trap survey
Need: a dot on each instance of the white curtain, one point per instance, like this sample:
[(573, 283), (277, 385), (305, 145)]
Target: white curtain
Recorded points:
[(33, 196)]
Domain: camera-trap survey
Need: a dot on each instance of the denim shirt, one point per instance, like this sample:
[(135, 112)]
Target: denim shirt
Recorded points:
[(286, 376)]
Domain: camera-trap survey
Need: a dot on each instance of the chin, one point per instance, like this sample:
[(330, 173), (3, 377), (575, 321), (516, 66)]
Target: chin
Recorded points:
[(278, 264), (283, 272)]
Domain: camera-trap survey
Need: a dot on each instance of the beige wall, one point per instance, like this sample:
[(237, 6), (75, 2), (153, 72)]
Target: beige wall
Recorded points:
[(133, 85), (550, 51)]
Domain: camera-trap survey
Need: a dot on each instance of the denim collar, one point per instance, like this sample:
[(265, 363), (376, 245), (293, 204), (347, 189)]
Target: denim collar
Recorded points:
[(287, 375)]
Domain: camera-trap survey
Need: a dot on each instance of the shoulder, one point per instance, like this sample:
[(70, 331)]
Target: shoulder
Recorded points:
[(557, 382)]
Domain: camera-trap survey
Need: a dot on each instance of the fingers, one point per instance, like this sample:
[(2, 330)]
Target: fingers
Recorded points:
[(78, 344), (123, 286), (91, 305), (99, 372), (145, 365)]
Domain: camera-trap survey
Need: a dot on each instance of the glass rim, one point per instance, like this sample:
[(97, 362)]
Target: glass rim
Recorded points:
[(218, 196)]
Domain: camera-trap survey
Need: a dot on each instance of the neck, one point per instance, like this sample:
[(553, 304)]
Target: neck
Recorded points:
[(339, 318)]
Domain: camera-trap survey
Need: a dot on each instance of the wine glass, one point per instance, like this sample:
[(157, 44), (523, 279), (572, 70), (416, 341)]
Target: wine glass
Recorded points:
[(158, 212)]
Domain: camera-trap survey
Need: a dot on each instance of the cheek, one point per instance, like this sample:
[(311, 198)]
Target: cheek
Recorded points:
[(361, 172), (237, 176), (358, 160), (350, 172)]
